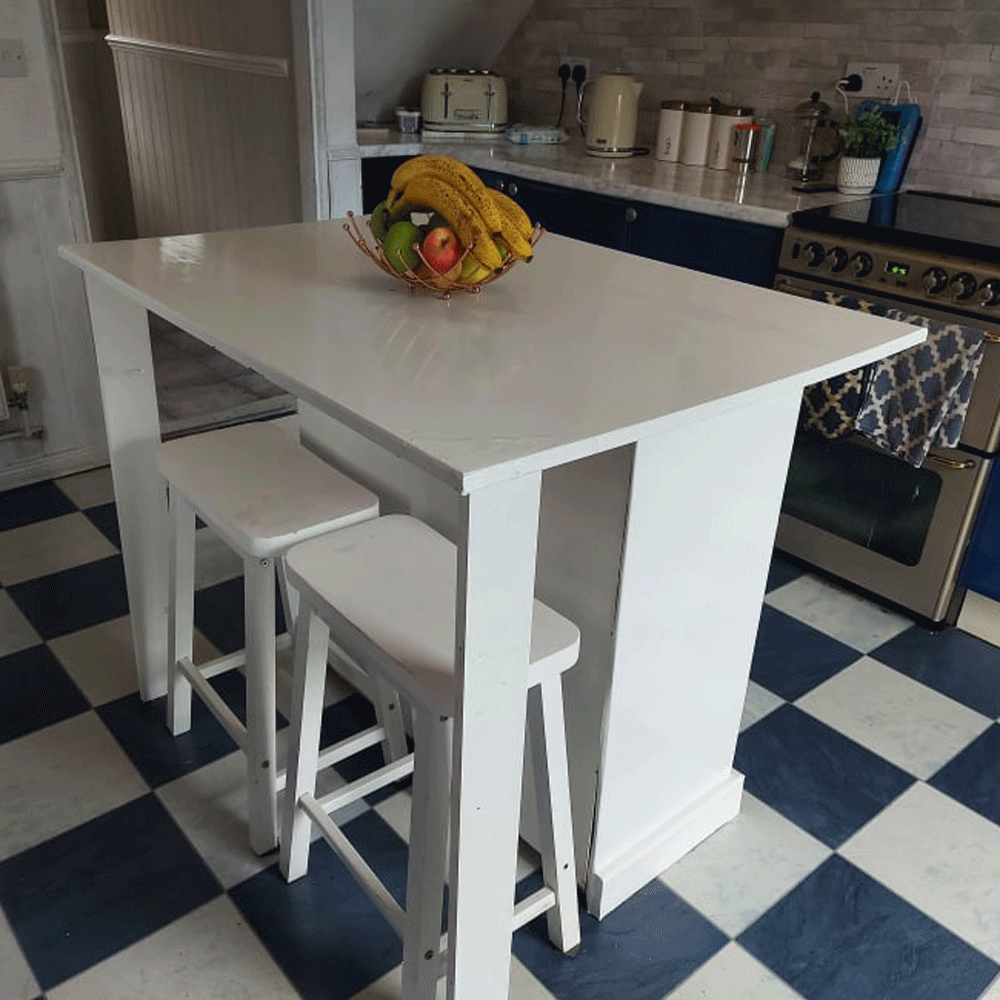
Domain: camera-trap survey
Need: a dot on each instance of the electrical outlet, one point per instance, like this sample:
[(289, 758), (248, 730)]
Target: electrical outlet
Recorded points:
[(12, 59), (877, 79), (572, 61)]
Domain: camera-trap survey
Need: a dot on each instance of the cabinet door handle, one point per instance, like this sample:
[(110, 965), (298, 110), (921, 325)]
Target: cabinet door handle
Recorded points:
[(952, 463), (631, 215), (512, 188)]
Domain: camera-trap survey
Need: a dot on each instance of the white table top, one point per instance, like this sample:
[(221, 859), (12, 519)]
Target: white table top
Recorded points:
[(583, 350)]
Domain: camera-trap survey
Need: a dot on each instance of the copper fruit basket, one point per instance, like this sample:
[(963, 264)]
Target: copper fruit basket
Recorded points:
[(436, 284)]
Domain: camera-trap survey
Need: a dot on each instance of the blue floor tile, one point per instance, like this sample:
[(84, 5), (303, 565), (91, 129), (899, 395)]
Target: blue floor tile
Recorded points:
[(85, 894), (105, 519), (973, 776), (34, 682), (781, 572), (141, 729), (218, 614), (73, 599), (953, 662), (323, 930), (840, 935), (33, 503), (791, 658), (641, 950), (816, 777)]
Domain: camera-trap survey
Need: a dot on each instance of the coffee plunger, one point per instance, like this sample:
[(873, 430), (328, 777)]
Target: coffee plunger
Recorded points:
[(819, 143)]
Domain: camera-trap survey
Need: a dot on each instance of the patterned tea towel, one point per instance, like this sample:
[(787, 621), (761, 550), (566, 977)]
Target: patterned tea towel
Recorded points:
[(919, 397), (904, 403)]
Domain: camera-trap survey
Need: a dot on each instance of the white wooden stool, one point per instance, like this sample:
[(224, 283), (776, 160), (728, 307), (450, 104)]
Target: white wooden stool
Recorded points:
[(387, 591), (261, 492)]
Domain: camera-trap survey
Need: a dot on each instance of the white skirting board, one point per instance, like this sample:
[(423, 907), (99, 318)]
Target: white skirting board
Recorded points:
[(614, 881), (980, 617), (35, 470)]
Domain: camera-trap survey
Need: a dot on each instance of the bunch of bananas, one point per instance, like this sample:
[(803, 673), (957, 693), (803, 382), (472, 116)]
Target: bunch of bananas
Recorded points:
[(487, 222)]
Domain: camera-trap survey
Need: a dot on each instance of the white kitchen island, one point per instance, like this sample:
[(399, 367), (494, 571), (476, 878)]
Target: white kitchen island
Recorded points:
[(628, 420)]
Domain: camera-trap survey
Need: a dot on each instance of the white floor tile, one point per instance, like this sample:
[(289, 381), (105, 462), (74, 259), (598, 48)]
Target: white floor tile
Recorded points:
[(732, 974), (59, 777), (941, 857), (898, 718), (993, 993), (89, 489), (16, 632), (847, 617), (16, 979), (101, 659), (523, 986), (745, 867), (210, 806), (759, 702), (49, 546), (210, 954)]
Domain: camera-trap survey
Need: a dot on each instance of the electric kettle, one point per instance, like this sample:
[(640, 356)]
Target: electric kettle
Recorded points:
[(610, 123)]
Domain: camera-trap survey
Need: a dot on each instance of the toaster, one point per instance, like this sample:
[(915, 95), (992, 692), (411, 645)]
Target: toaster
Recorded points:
[(464, 100)]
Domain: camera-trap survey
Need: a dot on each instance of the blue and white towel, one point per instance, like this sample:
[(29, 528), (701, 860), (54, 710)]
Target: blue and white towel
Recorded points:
[(905, 403)]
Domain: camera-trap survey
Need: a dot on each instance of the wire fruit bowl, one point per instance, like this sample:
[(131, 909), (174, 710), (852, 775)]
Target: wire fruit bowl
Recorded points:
[(433, 282)]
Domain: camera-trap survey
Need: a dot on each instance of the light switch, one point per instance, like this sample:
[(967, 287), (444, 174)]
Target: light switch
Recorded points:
[(12, 58)]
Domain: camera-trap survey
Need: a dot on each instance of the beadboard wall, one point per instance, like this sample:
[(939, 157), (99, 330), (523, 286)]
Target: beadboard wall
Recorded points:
[(772, 53), (208, 105)]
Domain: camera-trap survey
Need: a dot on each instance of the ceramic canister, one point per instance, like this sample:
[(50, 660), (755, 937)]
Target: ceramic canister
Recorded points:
[(695, 135), (720, 141), (668, 138)]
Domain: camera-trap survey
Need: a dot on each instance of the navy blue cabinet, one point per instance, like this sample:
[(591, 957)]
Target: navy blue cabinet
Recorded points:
[(730, 248), (981, 569)]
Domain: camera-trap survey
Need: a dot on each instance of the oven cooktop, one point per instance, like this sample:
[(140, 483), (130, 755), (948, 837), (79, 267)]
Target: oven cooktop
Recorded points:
[(936, 223)]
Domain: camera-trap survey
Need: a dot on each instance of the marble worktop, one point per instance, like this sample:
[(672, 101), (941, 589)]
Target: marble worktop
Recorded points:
[(767, 199)]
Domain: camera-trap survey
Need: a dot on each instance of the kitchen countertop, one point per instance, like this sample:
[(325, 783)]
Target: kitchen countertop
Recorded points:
[(767, 199)]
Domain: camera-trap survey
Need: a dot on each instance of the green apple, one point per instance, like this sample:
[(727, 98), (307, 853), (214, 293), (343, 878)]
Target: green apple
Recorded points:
[(398, 246), (380, 221)]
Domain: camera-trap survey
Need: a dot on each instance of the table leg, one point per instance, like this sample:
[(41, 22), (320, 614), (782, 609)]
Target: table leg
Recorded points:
[(496, 572), (125, 365)]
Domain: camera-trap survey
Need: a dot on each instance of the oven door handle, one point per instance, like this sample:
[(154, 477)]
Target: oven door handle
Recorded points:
[(952, 463), (993, 338)]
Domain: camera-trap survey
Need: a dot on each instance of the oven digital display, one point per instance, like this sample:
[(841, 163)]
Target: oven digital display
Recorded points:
[(899, 270)]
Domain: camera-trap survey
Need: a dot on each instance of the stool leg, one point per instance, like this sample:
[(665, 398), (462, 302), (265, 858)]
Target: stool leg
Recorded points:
[(180, 631), (258, 585), (427, 865), (390, 717), (289, 597), (311, 638), (547, 743)]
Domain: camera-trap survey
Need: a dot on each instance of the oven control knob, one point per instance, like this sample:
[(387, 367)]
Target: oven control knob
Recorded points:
[(838, 259), (814, 254), (989, 292), (935, 280), (962, 286), (862, 264)]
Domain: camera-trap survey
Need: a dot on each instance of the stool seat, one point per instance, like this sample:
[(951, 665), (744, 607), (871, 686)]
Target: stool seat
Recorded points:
[(260, 489), (393, 580)]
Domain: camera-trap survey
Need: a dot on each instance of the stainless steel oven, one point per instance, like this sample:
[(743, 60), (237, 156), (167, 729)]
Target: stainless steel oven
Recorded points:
[(850, 509)]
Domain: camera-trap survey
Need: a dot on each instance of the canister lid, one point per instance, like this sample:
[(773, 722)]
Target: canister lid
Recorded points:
[(674, 105), (702, 109)]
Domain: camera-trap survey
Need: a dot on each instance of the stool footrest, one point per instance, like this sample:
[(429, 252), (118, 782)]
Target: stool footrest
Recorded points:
[(539, 902), (360, 868), (361, 787), (213, 701), (223, 664), (337, 752)]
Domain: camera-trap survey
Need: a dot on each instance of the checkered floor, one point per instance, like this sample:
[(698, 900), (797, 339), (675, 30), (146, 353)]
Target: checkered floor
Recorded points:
[(865, 863)]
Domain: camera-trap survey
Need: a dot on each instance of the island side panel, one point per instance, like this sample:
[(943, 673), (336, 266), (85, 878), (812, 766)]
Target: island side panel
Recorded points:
[(581, 530), (701, 523)]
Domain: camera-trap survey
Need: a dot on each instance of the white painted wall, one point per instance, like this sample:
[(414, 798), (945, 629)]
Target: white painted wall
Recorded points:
[(43, 315), (396, 41)]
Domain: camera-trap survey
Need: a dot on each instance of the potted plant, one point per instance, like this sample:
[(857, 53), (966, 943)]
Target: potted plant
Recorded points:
[(864, 138)]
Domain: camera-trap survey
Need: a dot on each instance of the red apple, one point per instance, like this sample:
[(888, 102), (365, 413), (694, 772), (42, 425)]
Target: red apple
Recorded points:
[(441, 249)]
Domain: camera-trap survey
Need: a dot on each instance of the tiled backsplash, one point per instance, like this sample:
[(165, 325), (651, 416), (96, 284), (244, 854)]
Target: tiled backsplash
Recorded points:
[(771, 54)]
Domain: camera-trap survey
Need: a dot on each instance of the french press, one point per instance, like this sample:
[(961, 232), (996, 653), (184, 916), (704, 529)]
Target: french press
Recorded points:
[(819, 143)]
